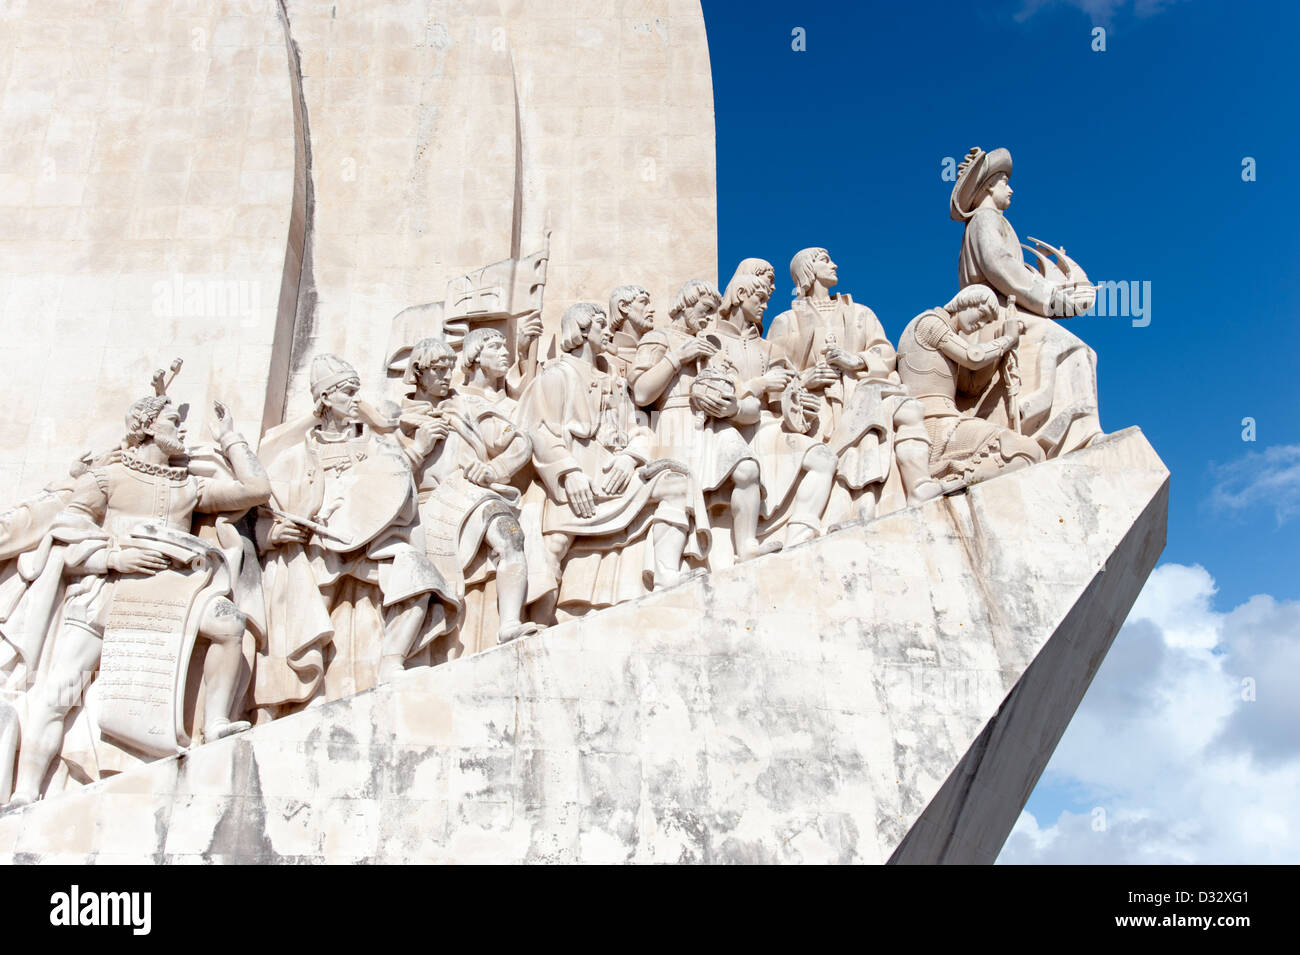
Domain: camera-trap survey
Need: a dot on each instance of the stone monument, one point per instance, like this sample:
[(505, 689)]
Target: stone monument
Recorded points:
[(510, 576)]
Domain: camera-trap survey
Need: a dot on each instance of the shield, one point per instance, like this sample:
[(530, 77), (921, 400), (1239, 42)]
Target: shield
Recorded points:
[(149, 637), (371, 495)]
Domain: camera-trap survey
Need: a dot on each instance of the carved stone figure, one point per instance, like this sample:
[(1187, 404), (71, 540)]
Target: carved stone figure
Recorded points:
[(466, 449), (796, 470), (699, 412), (1059, 406), (630, 317), (865, 417), (939, 358), (144, 587), (760, 267), (346, 587), (615, 522)]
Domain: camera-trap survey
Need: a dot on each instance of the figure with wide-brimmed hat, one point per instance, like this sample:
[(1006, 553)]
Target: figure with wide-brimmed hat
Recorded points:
[(1059, 405)]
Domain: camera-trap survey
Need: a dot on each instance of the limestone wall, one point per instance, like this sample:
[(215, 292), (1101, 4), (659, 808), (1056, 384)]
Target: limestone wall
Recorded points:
[(449, 135), (146, 186)]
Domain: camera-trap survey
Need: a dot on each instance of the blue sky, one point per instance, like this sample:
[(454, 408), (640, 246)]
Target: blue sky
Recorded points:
[(1131, 158)]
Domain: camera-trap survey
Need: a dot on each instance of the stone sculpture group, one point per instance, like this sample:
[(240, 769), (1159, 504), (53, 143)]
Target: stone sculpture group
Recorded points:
[(504, 494)]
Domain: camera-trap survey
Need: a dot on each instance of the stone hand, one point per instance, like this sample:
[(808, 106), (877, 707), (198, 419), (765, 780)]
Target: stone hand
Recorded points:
[(810, 403), (719, 407), (819, 376), (578, 490), (137, 560), (777, 378), (286, 532), (223, 422), (1012, 330), (481, 473), (530, 327), (693, 349), (429, 434), (1083, 298), (618, 473), (839, 358)]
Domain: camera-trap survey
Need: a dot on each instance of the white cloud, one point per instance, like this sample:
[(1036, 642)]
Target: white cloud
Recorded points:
[(1101, 12), (1183, 766), (1270, 478)]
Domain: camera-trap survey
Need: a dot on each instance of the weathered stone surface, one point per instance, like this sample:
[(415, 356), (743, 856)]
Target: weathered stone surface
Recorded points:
[(445, 135), (809, 706), (146, 186)]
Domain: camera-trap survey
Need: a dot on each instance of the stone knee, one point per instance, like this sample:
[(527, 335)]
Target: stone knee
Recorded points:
[(672, 488), (223, 622), (820, 460), (557, 545), (909, 416), (746, 473), (506, 538)]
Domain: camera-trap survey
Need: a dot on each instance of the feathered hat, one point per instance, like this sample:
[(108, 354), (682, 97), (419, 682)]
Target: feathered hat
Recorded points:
[(973, 175)]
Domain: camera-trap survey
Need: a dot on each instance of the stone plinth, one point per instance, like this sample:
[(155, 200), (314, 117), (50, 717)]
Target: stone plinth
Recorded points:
[(889, 692)]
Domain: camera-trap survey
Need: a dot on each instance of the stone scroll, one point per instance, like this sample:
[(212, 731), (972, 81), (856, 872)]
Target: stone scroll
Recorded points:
[(149, 638)]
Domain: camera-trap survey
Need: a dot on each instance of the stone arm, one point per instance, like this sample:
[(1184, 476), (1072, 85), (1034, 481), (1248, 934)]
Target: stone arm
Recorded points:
[(749, 409), (79, 526), (654, 369), (975, 356), (1000, 262), (513, 456), (879, 360), (542, 417), (249, 488), (415, 445)]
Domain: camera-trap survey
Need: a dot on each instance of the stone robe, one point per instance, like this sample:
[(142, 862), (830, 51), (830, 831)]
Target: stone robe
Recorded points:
[(711, 448), (778, 450), (580, 417), (858, 428), (1049, 353), (330, 642)]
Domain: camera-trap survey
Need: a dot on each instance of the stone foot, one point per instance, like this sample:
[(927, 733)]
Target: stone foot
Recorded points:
[(220, 729), (925, 491), (752, 548), (506, 634)]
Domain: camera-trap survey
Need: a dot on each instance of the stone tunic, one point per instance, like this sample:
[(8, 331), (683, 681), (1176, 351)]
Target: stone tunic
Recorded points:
[(580, 418), (991, 255), (711, 448), (307, 476), (454, 511), (779, 451), (864, 443), (115, 499)]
